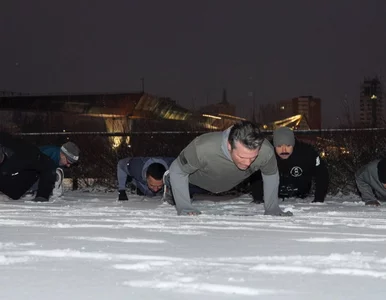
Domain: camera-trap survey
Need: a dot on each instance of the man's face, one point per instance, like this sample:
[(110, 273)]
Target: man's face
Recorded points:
[(154, 184), (242, 156), (63, 162), (284, 151)]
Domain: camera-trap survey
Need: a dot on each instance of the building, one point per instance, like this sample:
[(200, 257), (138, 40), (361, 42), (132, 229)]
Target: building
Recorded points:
[(222, 114), (121, 112), (307, 106), (371, 106)]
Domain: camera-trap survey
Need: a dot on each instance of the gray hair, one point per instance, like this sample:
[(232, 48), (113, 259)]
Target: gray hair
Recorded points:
[(247, 133)]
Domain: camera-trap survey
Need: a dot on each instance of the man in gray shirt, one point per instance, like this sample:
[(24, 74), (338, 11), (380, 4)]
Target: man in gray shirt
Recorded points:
[(218, 161), (371, 182)]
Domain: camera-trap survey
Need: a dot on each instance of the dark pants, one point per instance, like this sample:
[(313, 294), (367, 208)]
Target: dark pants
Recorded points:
[(193, 189), (17, 177), (285, 191)]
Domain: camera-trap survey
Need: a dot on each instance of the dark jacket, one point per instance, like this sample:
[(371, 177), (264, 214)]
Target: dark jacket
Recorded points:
[(297, 173), (21, 166), (52, 152)]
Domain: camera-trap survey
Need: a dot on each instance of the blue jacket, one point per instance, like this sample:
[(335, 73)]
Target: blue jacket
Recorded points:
[(135, 168), (52, 152)]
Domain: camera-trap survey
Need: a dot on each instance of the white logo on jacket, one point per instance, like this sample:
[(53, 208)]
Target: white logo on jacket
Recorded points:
[(296, 171)]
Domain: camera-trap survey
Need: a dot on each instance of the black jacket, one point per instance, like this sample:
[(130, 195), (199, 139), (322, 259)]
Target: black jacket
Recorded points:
[(21, 165), (296, 175), (299, 169)]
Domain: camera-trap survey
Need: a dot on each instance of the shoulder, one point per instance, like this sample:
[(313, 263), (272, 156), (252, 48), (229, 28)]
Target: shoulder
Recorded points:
[(305, 149), (49, 148), (266, 152), (266, 149), (206, 143), (208, 139), (368, 168), (168, 160)]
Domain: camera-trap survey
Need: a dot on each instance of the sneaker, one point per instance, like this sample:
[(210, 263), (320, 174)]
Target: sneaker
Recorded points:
[(58, 189), (167, 195)]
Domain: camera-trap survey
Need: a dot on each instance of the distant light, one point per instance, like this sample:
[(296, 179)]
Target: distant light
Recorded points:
[(282, 107), (211, 116), (64, 130), (373, 97)]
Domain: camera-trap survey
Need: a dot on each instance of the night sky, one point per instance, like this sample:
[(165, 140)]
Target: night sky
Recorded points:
[(190, 50)]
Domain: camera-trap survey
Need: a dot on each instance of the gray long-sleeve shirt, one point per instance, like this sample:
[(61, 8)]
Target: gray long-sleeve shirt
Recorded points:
[(206, 162), (368, 182)]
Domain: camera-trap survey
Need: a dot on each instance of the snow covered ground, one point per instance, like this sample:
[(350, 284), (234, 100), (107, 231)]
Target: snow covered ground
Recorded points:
[(89, 246)]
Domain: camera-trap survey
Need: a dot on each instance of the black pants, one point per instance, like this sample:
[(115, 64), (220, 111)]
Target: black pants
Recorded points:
[(15, 182), (285, 191)]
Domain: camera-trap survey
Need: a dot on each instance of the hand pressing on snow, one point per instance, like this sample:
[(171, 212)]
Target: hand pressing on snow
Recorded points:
[(190, 212)]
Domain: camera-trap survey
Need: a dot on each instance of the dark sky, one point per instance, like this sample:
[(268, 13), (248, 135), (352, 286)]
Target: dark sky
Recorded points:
[(191, 49)]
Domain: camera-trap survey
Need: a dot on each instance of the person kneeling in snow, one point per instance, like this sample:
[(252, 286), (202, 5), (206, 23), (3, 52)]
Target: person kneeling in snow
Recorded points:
[(62, 156), (371, 182), (21, 165)]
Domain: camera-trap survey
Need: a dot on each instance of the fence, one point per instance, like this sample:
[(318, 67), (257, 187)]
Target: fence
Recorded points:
[(345, 150)]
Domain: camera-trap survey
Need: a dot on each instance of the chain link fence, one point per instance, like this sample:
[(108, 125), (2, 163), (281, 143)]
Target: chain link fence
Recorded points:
[(344, 150)]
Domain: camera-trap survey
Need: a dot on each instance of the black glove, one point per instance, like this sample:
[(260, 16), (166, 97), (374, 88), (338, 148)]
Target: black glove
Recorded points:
[(373, 203), (122, 196)]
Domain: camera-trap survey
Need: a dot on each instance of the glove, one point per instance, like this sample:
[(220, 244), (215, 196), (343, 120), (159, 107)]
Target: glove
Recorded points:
[(373, 203), (122, 196), (189, 212), (286, 214), (279, 213)]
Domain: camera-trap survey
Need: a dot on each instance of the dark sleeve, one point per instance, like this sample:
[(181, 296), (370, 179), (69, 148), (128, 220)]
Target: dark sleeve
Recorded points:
[(256, 181), (47, 174), (321, 177), (24, 155)]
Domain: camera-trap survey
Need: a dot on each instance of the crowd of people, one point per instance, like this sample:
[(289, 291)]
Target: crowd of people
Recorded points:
[(214, 162)]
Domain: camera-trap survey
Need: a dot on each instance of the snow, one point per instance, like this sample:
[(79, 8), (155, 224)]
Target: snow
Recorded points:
[(90, 246)]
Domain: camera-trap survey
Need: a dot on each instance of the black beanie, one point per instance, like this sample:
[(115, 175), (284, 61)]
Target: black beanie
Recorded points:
[(382, 170)]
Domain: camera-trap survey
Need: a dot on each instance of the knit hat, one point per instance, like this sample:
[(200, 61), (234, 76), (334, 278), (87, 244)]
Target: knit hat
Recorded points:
[(283, 136), (382, 170), (71, 151)]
